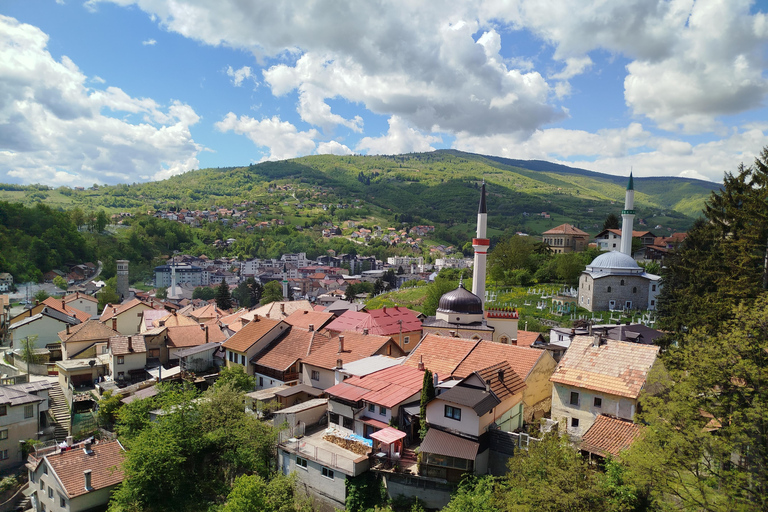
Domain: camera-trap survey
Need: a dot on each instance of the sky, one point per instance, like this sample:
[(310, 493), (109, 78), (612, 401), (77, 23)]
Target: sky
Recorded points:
[(124, 91)]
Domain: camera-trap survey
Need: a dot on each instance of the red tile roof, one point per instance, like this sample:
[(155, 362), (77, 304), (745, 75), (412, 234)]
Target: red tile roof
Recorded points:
[(485, 353), (511, 385), (566, 229), (180, 336), (209, 311), (92, 330), (105, 463), (304, 319), (67, 310), (324, 353), (244, 339), (117, 309), (609, 436), (383, 322), (441, 354), (124, 345), (283, 352), (527, 338), (388, 387), (615, 367)]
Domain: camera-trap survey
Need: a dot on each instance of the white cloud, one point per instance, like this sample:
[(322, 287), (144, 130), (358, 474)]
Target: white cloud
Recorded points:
[(238, 75), (149, 42), (281, 138), (54, 131), (333, 148), (400, 138)]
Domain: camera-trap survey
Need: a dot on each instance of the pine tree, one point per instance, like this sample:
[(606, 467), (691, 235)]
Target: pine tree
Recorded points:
[(427, 394), (223, 297)]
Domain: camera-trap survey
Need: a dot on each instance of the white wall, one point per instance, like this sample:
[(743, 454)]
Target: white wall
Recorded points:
[(585, 411), (46, 329), (469, 423), (332, 491)]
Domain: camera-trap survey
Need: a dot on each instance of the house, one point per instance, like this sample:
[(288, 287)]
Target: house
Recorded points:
[(402, 324), (23, 414), (252, 339), (278, 364), (161, 341), (6, 282), (610, 239), (85, 340), (83, 302), (318, 368), (128, 358), (279, 310), (43, 327), (310, 320), (125, 318), (566, 238), (54, 304), (460, 417), (597, 376), (198, 358), (81, 478), (608, 437)]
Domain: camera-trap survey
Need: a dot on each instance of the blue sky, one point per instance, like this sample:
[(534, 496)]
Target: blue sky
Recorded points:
[(109, 91)]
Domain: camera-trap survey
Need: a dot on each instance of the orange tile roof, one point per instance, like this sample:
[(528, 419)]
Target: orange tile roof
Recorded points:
[(387, 387), (304, 319), (175, 320), (78, 295), (90, 330), (324, 353), (526, 338), (193, 335), (106, 465), (124, 345), (115, 309), (67, 310), (511, 385), (274, 310), (566, 229), (485, 353), (283, 352), (244, 339), (615, 367), (209, 311), (609, 436), (441, 354)]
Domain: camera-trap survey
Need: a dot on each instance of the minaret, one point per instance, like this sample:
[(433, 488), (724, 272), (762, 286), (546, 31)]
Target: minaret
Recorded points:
[(285, 282), (480, 245), (627, 218)]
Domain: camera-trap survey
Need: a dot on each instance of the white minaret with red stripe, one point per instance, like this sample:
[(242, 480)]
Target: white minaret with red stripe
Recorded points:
[(480, 245)]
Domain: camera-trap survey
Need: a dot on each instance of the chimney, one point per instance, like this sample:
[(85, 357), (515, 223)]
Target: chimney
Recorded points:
[(114, 323), (452, 334), (365, 331), (87, 475), (341, 343), (501, 376), (282, 308), (206, 334), (69, 440), (30, 311), (339, 363), (305, 311), (384, 310), (87, 448), (596, 340), (436, 381), (67, 329), (421, 363), (63, 304), (37, 302), (130, 344), (311, 327)]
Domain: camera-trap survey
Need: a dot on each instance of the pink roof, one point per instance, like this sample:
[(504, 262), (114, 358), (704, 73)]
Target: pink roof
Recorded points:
[(382, 322), (388, 387), (388, 435)]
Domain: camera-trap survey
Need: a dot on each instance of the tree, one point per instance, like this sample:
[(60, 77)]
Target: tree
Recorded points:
[(108, 295), (612, 221), (273, 292), (427, 394), (60, 283), (434, 291), (101, 221), (203, 293), (223, 297), (236, 377), (252, 493), (108, 407), (41, 295), (161, 293), (255, 290), (27, 351)]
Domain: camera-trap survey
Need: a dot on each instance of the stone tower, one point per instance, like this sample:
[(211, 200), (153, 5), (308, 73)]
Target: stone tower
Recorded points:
[(628, 218), (480, 245), (122, 279)]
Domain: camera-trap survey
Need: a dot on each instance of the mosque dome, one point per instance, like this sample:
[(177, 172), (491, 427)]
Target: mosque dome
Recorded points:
[(460, 301), (615, 260)]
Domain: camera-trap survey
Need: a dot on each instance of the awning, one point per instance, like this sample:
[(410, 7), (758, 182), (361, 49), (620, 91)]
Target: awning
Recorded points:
[(374, 423), (442, 443), (388, 435)]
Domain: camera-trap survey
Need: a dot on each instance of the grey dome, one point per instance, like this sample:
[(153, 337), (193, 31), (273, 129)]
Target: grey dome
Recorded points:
[(461, 301), (614, 259)]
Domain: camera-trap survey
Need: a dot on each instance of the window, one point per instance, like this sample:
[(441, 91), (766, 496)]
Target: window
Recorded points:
[(609, 289), (406, 340), (42, 485), (622, 282), (29, 411), (653, 303), (333, 418), (154, 352), (653, 287), (634, 289), (315, 375), (574, 398), (50, 493), (120, 360), (371, 408), (3, 434), (452, 412), (574, 422), (327, 473), (302, 463), (3, 410), (628, 304), (348, 423), (598, 402), (62, 501), (261, 382), (42, 507), (382, 410), (45, 470), (3, 454), (242, 359)]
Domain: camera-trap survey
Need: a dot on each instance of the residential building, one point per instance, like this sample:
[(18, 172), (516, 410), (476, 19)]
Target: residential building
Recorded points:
[(79, 479), (278, 364), (23, 414), (83, 302), (43, 327), (566, 238), (252, 339), (128, 358), (279, 310), (610, 239), (85, 340), (309, 320), (608, 437), (6, 282), (597, 376), (183, 274), (400, 323), (126, 317)]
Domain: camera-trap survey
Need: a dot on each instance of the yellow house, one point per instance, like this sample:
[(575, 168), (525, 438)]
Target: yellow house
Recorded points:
[(252, 339)]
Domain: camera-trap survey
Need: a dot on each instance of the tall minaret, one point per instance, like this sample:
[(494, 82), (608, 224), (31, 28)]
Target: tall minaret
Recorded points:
[(480, 245), (627, 218), (285, 282)]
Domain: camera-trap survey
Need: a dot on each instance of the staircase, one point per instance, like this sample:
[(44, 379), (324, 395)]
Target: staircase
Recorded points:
[(60, 412)]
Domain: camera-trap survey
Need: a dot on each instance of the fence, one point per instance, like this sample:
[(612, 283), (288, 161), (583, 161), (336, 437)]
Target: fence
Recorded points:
[(83, 422), (321, 455)]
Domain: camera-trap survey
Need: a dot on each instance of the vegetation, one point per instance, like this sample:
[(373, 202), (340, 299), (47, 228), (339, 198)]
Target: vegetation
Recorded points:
[(236, 378), (273, 292), (223, 297), (427, 394)]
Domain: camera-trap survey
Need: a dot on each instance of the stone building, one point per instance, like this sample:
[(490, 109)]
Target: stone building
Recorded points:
[(615, 281)]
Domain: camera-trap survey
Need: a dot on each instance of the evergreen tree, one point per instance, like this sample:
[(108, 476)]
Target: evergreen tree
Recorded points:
[(612, 221), (223, 297), (427, 394)]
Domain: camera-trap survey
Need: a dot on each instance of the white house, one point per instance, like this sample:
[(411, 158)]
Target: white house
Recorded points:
[(23, 413), (128, 358)]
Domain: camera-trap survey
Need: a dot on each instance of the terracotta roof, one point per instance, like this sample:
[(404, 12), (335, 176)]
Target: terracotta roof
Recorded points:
[(243, 339), (306, 318), (526, 338), (114, 310), (233, 317), (274, 311), (105, 463), (124, 345), (348, 321), (609, 436), (565, 229), (78, 295), (615, 367), (67, 310), (193, 335), (324, 353), (209, 311), (88, 331), (486, 353), (283, 352), (175, 320), (387, 387), (511, 384), (441, 354)]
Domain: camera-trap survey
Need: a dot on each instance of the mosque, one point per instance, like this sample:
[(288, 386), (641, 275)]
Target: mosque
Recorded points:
[(461, 313), (614, 280)]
